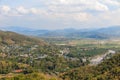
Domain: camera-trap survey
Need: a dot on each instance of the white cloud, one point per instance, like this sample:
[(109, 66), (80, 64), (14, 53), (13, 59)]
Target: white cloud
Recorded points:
[(82, 4), (75, 9), (99, 7), (34, 10), (5, 9), (22, 10), (111, 2), (91, 12), (82, 17), (37, 11)]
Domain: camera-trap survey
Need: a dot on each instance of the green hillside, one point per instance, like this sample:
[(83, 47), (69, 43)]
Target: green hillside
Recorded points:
[(10, 38), (107, 70)]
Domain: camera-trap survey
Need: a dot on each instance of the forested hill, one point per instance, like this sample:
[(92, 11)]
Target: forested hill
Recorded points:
[(9, 38), (107, 70)]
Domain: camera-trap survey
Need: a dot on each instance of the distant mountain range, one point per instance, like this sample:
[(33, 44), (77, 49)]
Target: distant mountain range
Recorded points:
[(102, 33)]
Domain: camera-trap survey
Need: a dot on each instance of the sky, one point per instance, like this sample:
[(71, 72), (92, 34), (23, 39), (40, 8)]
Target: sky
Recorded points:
[(59, 14)]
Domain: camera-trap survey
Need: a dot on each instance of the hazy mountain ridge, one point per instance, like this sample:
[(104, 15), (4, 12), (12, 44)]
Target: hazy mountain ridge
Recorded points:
[(102, 33)]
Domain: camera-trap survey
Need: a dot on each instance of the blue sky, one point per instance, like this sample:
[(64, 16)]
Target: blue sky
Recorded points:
[(59, 14)]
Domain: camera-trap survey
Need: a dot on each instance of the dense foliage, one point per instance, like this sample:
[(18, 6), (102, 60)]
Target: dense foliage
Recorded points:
[(107, 70), (33, 76)]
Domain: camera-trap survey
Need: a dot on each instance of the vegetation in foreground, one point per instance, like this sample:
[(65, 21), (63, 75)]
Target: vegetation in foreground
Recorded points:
[(25, 58), (107, 70), (32, 76)]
